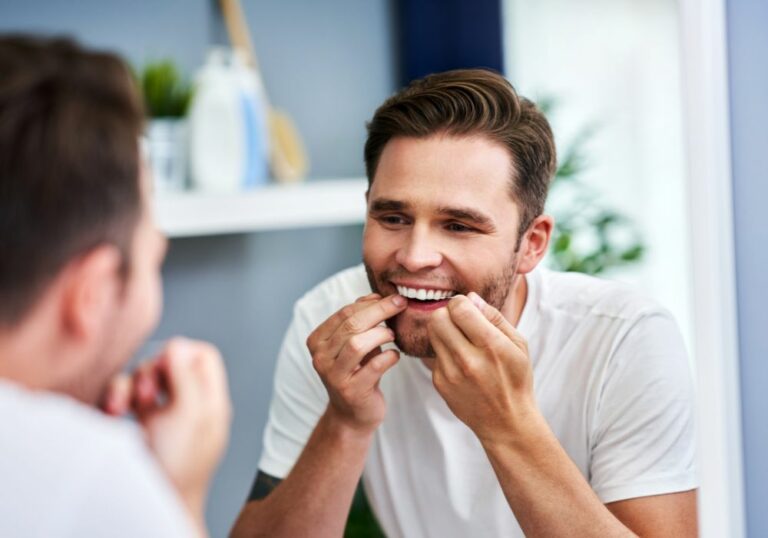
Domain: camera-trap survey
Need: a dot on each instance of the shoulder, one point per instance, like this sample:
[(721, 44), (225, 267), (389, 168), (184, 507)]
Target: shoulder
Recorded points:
[(67, 442), (53, 430), (334, 292), (583, 296), (67, 424)]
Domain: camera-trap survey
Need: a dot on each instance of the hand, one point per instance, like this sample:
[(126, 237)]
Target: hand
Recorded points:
[(346, 352), (182, 402), (482, 368)]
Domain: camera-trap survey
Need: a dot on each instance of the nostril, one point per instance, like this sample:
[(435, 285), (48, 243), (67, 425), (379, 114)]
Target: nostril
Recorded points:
[(415, 260)]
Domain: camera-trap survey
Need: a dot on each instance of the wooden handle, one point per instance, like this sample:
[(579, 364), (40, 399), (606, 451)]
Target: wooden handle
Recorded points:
[(239, 35)]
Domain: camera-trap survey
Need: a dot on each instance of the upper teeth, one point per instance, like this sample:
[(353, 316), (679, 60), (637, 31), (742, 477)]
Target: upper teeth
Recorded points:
[(424, 294)]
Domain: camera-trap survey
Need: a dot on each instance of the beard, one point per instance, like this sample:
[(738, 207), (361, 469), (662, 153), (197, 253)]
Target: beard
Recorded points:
[(109, 355), (414, 340), (90, 384)]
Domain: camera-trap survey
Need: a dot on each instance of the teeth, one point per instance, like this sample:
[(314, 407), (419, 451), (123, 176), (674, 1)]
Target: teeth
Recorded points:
[(423, 294)]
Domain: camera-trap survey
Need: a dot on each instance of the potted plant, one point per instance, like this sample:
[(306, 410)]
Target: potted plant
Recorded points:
[(166, 99)]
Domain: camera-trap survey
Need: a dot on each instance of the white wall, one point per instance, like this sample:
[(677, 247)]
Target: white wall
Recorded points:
[(616, 63)]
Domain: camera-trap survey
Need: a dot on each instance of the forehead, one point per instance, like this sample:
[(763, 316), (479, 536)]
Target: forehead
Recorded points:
[(445, 170)]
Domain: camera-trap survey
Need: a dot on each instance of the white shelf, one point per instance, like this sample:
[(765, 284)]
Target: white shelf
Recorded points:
[(273, 207)]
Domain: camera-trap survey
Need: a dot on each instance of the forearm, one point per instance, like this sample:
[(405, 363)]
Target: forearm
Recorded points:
[(315, 498), (544, 488)]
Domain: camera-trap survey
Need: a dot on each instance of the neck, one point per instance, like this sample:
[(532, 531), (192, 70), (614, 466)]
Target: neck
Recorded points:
[(21, 361), (33, 356), (515, 303)]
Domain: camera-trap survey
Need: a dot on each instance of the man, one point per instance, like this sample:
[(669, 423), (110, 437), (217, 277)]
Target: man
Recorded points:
[(525, 402), (79, 291)]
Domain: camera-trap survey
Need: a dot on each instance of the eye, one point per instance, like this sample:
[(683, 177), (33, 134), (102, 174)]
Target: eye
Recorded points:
[(392, 220), (458, 227)]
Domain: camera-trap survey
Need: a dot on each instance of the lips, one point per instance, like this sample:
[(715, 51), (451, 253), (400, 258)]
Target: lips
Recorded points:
[(424, 298), (424, 293)]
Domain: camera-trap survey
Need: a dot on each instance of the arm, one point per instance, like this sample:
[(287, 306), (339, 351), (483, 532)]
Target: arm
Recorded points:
[(550, 497), (673, 514), (315, 498), (483, 360)]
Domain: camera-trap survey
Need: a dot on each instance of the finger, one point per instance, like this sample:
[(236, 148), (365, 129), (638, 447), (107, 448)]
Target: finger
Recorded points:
[(498, 320), (444, 360), (195, 372), (366, 318), (177, 369), (117, 397), (146, 387), (370, 374), (450, 344), (326, 329), (359, 346), (213, 376), (368, 298), (472, 322), (442, 324), (371, 354)]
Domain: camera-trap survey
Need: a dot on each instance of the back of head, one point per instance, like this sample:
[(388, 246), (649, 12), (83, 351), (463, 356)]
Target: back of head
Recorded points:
[(468, 102), (70, 122)]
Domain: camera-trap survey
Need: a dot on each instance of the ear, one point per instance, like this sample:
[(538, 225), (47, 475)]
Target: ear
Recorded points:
[(535, 243), (92, 287)]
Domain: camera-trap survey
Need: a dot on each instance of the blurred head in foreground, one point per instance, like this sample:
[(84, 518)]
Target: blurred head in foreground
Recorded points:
[(79, 270)]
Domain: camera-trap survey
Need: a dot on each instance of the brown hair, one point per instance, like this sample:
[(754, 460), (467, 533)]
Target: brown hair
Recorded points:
[(70, 121), (470, 102)]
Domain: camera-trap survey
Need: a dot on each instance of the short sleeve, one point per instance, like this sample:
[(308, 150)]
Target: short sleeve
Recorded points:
[(643, 439), (298, 400)]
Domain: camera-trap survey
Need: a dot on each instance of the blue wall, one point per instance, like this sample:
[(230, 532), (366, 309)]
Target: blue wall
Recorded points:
[(747, 49), (329, 64)]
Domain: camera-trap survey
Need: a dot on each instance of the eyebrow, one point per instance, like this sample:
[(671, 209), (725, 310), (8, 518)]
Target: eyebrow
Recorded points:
[(460, 213), (383, 204)]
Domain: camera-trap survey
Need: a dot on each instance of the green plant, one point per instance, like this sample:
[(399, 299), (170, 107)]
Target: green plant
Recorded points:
[(361, 522), (166, 93), (589, 237)]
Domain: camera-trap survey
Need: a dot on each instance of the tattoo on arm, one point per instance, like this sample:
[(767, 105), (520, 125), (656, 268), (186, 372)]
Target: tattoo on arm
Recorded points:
[(263, 486)]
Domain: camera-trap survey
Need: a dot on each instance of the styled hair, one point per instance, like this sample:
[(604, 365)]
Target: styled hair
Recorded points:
[(70, 122), (467, 102)]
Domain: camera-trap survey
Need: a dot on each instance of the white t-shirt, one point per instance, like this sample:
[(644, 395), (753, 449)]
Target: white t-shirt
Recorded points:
[(611, 377), (66, 470)]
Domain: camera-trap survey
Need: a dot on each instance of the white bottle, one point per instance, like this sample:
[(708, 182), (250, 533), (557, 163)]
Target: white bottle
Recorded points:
[(255, 115), (217, 132)]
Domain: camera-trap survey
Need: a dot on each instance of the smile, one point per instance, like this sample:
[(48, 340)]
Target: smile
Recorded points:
[(425, 294)]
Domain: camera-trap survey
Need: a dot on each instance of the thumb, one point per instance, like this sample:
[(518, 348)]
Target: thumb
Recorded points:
[(117, 398), (179, 358), (498, 320)]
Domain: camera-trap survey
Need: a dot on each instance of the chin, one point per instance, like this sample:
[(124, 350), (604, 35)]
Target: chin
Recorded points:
[(414, 343)]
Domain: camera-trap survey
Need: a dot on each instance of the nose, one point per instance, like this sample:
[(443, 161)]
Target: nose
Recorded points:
[(419, 252)]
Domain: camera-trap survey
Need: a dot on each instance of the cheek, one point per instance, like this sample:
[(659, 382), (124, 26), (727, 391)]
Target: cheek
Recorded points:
[(474, 264), (147, 301), (376, 246), (154, 298)]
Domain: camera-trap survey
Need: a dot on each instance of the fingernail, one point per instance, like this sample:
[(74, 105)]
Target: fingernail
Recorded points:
[(476, 300), (398, 300)]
